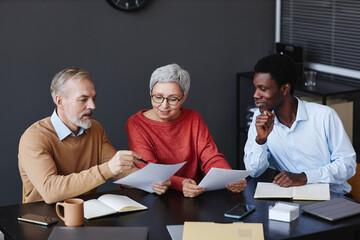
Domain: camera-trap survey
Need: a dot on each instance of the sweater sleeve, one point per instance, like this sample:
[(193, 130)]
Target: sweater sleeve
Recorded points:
[(208, 151), (35, 158)]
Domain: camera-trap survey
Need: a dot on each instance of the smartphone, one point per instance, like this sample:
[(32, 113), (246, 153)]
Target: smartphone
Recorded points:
[(37, 219), (240, 211)]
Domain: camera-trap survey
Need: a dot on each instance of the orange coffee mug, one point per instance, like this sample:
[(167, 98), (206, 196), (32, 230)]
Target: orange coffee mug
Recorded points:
[(73, 212)]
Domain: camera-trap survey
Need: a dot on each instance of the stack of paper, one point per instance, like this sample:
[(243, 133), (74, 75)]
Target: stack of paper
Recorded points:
[(286, 212)]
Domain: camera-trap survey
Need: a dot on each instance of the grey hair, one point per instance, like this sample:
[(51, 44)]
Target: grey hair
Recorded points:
[(59, 80), (171, 73)]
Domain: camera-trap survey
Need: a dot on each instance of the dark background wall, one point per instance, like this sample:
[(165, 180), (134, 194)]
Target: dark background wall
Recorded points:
[(212, 39)]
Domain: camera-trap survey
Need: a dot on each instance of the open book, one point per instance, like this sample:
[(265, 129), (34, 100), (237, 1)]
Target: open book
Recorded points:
[(318, 191), (109, 204)]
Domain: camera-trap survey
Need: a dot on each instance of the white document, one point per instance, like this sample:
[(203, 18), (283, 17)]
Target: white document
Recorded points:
[(151, 173), (218, 178), (175, 231)]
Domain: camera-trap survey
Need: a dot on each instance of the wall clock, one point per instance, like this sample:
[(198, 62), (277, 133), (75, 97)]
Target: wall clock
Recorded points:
[(128, 5)]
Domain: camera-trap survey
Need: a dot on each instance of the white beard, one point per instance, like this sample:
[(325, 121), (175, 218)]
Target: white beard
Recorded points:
[(78, 122)]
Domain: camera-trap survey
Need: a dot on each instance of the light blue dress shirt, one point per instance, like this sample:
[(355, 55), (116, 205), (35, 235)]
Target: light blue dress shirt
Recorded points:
[(316, 144), (61, 129)]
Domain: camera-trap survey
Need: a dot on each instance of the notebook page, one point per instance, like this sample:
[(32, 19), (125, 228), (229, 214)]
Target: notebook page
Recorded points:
[(271, 190), (316, 191)]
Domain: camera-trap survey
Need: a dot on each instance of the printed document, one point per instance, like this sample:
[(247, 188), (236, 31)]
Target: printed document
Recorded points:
[(151, 173), (218, 178)]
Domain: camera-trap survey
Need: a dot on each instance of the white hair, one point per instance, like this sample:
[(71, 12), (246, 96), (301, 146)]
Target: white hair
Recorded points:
[(171, 73), (59, 80)]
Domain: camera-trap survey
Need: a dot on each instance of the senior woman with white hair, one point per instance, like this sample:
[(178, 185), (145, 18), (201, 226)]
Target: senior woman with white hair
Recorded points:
[(170, 134)]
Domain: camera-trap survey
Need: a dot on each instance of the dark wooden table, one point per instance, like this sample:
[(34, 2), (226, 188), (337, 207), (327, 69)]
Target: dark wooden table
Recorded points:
[(173, 209)]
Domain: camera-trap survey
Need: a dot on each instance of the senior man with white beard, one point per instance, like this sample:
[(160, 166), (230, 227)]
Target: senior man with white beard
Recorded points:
[(69, 154)]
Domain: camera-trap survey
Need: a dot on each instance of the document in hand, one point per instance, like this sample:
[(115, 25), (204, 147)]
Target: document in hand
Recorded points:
[(109, 204), (218, 178), (151, 173), (223, 231), (313, 191)]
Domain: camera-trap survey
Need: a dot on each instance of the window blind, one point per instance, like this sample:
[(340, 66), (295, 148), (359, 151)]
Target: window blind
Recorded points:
[(328, 31)]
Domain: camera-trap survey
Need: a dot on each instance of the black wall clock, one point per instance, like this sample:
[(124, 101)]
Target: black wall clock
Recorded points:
[(128, 5)]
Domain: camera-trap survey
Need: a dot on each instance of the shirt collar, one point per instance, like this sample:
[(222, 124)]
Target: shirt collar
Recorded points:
[(301, 114), (301, 111), (61, 129)]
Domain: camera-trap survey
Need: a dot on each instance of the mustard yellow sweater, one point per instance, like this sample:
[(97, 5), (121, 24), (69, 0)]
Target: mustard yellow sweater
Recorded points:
[(54, 170)]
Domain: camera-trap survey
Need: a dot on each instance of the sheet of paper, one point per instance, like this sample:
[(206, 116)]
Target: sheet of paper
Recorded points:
[(218, 178), (151, 173), (175, 231)]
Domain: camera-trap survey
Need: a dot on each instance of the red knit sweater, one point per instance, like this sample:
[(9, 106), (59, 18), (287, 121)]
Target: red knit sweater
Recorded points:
[(184, 139)]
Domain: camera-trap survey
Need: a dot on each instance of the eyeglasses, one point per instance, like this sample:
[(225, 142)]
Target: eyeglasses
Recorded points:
[(172, 101)]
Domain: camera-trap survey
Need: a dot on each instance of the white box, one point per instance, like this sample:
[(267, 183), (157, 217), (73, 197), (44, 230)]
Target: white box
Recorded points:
[(282, 211)]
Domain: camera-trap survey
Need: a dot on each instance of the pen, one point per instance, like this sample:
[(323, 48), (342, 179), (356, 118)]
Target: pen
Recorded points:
[(143, 161)]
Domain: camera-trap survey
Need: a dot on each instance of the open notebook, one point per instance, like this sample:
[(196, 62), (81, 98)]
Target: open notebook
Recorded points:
[(110, 204), (318, 191)]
